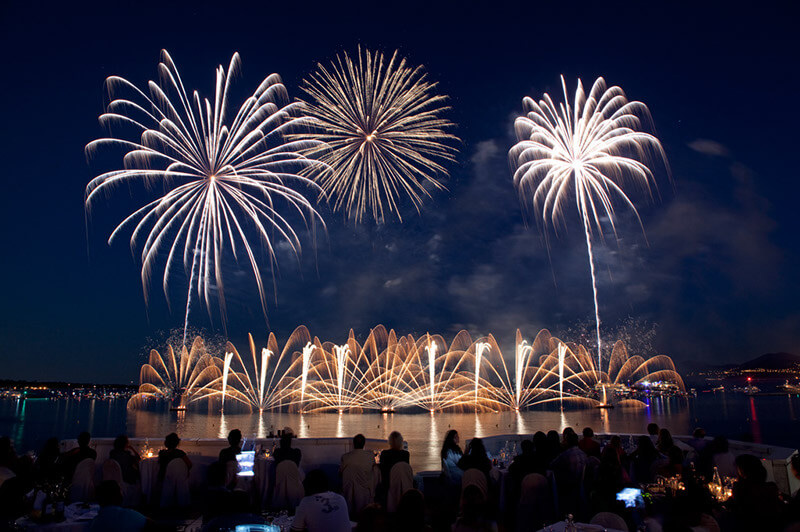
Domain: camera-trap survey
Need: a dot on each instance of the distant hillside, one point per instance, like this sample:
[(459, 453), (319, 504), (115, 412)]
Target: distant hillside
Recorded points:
[(772, 361)]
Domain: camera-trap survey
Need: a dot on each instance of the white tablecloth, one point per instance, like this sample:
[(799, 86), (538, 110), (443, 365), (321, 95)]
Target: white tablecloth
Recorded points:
[(77, 519), (198, 474)]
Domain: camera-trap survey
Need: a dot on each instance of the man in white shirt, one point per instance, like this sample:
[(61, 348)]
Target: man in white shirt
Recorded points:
[(321, 510)]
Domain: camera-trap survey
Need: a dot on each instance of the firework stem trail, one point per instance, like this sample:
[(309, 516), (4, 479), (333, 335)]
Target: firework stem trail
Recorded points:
[(588, 234)]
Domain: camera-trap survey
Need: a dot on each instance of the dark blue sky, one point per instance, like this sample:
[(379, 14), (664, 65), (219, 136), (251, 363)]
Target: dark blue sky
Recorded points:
[(718, 275)]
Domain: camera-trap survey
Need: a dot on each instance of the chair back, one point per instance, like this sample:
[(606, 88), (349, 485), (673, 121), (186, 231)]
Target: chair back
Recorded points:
[(535, 506), (358, 486), (288, 486), (112, 471), (475, 477), (175, 488), (609, 520), (401, 479), (82, 488)]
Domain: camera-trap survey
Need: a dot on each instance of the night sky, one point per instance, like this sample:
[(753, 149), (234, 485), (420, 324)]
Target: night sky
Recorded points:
[(716, 272)]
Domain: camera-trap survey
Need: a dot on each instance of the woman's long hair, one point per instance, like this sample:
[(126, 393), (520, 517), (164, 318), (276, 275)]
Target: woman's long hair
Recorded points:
[(450, 444)]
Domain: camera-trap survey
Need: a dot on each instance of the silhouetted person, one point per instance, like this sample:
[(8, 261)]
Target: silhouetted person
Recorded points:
[(165, 456), (588, 443), (127, 457), (755, 503), (451, 454), (391, 456), (652, 432), (218, 499), (411, 512), (228, 454), (473, 516), (48, 463), (78, 454), (476, 457), (112, 516), (321, 510), (285, 451), (644, 460)]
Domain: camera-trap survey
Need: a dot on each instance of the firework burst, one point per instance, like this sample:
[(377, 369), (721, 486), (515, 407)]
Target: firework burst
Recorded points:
[(383, 132), (583, 151), (221, 175)]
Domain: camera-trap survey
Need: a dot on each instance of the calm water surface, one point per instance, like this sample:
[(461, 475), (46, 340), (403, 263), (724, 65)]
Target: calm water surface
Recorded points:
[(763, 419)]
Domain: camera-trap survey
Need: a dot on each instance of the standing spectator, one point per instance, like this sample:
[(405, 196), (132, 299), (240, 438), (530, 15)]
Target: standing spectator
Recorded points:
[(321, 510), (451, 454), (228, 454), (127, 458), (165, 456), (588, 443), (285, 451)]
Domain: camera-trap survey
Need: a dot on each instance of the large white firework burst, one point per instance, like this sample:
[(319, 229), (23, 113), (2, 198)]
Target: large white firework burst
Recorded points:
[(583, 152), (383, 131), (220, 174)]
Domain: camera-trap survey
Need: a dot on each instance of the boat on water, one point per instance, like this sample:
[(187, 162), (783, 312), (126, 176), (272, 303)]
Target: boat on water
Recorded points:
[(747, 390), (719, 388), (789, 388)]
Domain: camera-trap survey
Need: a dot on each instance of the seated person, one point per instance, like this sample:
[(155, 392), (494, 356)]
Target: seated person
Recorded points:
[(451, 454), (218, 499), (127, 458), (165, 456), (229, 453), (321, 510), (476, 457), (359, 458), (285, 450), (588, 443), (237, 514), (411, 512), (112, 516), (78, 454), (473, 516), (391, 456), (48, 464), (523, 464), (755, 504)]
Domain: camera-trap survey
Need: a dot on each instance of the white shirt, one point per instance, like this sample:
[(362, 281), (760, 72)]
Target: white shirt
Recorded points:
[(323, 512)]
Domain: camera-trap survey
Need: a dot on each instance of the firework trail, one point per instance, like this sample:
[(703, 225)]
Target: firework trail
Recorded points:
[(584, 150), (221, 174), (382, 131)]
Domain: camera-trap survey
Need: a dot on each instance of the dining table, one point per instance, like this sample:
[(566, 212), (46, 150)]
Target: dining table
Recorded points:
[(77, 518)]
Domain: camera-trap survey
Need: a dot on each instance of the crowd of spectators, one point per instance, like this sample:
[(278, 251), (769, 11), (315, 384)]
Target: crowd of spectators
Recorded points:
[(552, 476)]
